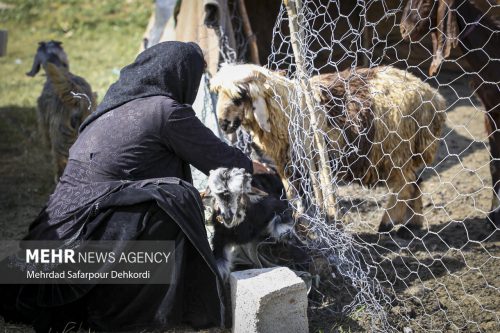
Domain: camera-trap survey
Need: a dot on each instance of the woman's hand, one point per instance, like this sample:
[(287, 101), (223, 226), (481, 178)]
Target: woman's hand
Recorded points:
[(259, 167)]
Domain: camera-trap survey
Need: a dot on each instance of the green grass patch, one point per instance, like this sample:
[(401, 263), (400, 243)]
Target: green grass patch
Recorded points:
[(99, 37)]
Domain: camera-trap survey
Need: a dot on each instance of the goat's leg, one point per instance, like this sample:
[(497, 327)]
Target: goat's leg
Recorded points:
[(490, 97), (225, 262), (494, 140), (223, 254), (414, 215)]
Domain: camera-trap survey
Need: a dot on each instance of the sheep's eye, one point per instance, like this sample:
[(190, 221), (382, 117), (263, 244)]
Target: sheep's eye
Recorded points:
[(237, 101)]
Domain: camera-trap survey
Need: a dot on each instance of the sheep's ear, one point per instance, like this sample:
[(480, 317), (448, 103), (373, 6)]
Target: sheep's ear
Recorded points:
[(445, 38), (261, 114), (256, 195)]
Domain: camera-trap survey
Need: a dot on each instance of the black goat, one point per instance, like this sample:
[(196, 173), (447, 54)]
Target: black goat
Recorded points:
[(244, 213)]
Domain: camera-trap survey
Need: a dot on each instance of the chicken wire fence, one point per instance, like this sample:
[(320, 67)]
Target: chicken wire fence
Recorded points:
[(440, 277)]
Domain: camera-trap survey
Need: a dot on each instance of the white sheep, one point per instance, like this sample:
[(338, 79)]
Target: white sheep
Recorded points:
[(391, 117)]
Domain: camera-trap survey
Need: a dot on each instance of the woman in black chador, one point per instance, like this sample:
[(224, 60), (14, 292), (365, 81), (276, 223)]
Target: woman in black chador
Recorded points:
[(128, 178)]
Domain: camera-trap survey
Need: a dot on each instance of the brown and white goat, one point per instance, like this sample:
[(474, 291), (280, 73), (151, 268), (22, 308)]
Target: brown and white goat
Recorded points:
[(389, 115), (60, 108), (453, 23)]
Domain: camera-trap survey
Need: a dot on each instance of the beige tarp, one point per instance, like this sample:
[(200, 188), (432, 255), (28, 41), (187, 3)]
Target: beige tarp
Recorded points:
[(189, 26)]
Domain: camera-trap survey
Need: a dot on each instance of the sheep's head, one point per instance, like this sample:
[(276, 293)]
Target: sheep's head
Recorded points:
[(437, 17), (232, 191), (241, 101), (49, 52)]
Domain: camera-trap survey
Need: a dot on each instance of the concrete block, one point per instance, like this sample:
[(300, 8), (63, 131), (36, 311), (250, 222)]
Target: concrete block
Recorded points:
[(268, 300)]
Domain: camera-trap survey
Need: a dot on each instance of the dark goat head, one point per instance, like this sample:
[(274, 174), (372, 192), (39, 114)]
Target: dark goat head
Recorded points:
[(437, 17), (50, 51), (232, 191)]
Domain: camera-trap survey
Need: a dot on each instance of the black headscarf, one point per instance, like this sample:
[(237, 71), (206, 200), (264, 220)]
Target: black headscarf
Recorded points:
[(172, 69)]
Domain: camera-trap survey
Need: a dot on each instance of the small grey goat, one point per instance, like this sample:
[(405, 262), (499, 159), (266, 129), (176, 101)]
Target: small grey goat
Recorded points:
[(243, 213), (61, 108)]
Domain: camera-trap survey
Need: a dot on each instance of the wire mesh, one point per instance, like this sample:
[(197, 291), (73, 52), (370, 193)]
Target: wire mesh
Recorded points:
[(417, 162)]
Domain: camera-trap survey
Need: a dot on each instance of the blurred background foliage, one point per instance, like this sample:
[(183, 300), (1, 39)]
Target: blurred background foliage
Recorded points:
[(99, 36)]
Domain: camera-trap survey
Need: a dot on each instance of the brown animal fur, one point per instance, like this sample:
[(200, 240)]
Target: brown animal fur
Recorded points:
[(60, 113), (387, 114)]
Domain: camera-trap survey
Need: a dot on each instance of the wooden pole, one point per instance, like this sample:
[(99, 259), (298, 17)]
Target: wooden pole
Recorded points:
[(247, 29), (317, 118)]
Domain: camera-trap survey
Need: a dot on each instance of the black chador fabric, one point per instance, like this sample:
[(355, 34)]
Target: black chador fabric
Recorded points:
[(128, 178)]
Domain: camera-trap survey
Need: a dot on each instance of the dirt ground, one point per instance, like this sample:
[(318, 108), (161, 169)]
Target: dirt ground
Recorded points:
[(443, 280), (446, 278)]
